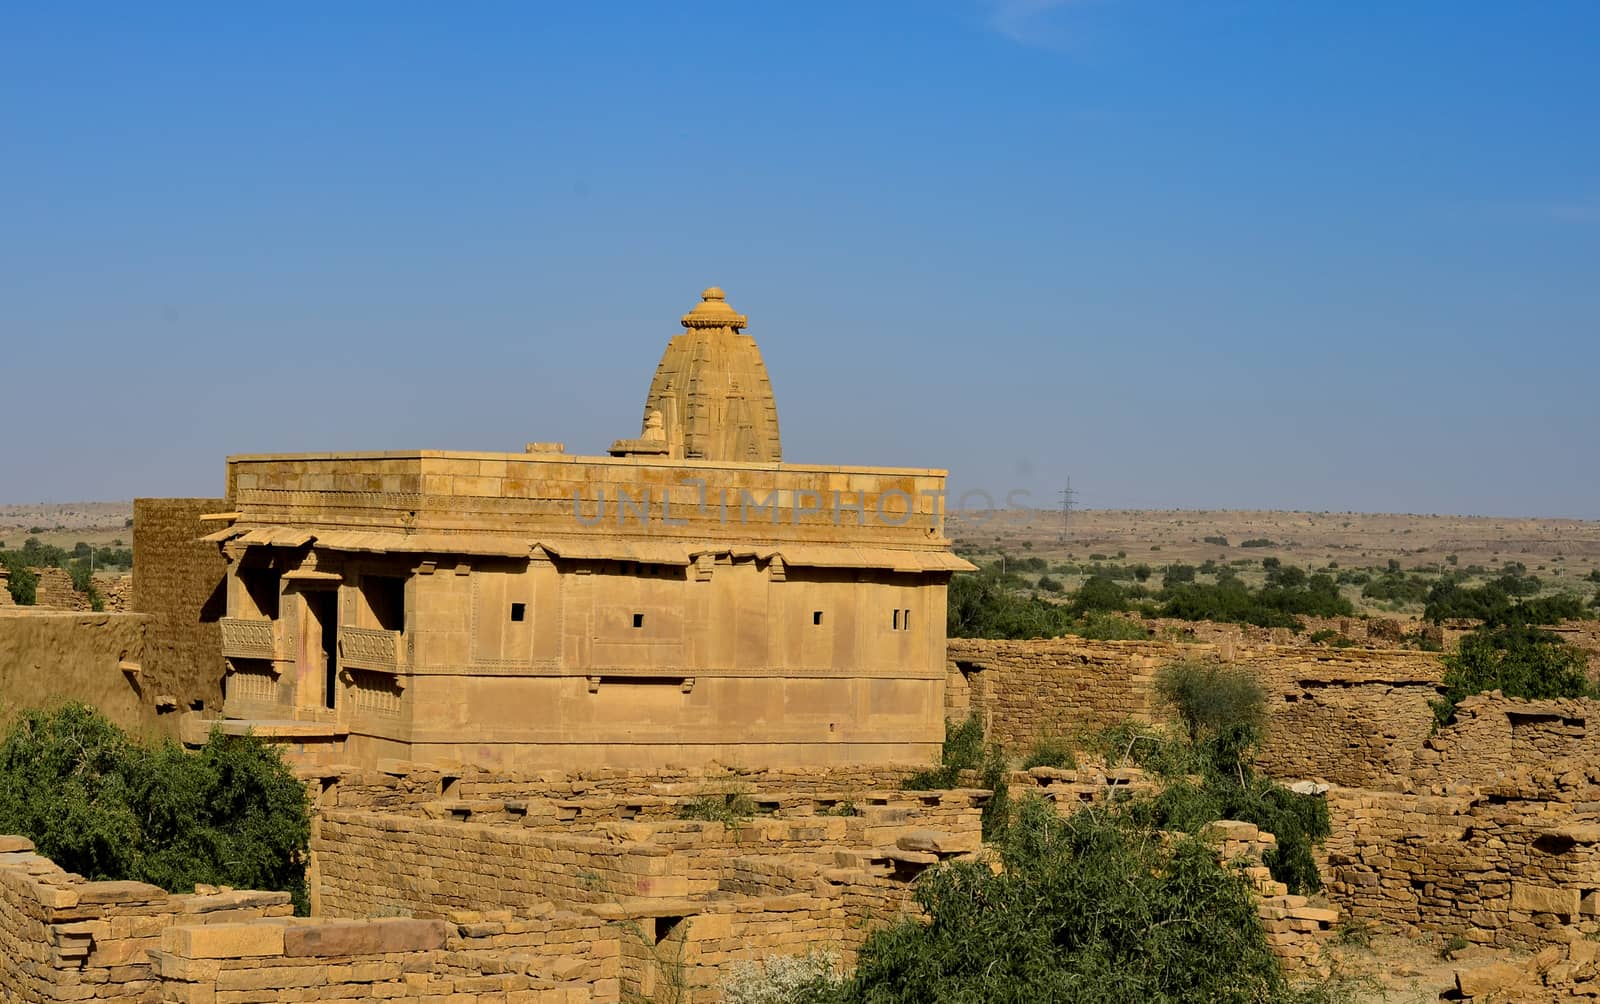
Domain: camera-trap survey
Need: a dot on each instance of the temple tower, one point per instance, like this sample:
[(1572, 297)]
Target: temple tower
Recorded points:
[(711, 399)]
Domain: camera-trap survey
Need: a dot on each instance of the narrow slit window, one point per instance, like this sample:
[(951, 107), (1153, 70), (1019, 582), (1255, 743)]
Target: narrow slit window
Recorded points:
[(905, 620), (638, 620), (519, 611), (816, 616), (897, 619)]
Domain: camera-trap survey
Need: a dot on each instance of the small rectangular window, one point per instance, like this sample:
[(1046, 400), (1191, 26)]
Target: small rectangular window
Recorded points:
[(816, 617), (638, 620), (519, 611), (905, 620), (897, 620)]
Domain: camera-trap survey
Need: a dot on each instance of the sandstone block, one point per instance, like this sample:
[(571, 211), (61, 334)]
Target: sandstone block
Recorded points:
[(363, 937), (224, 941), (1488, 979), (1544, 899)]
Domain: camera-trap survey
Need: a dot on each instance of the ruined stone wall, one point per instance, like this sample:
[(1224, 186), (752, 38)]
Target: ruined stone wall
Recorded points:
[(602, 792), (1495, 835), (551, 958), (64, 938), (1351, 716), (48, 657), (377, 863), (55, 591), (179, 582)]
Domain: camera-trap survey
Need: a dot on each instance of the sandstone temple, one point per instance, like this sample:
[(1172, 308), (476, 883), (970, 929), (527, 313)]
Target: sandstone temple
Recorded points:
[(688, 598)]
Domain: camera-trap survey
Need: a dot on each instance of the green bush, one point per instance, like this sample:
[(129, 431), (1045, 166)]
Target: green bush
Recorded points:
[(1098, 594), (1097, 626), (1394, 587), (730, 808), (1050, 751), (1176, 573), (1299, 822), (1050, 585), (1273, 605), (1086, 909), (1223, 708), (1507, 600), (99, 804), (1257, 542), (1143, 746), (1518, 660), (963, 750), (24, 582)]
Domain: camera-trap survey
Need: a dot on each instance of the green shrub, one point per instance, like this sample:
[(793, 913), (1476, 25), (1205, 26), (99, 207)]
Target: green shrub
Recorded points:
[(24, 582), (1098, 594), (1257, 542), (1050, 585), (1050, 751), (1143, 746), (1328, 636), (1218, 704), (106, 807), (963, 750), (1518, 660), (1086, 909), (1219, 541), (1392, 587), (1273, 605), (730, 808), (1177, 573), (1098, 626)]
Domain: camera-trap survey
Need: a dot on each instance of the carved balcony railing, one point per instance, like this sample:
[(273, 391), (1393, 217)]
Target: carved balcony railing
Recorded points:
[(370, 648), (247, 639)]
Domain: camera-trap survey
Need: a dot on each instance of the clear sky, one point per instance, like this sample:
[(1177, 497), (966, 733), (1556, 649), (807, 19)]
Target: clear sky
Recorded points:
[(1324, 255)]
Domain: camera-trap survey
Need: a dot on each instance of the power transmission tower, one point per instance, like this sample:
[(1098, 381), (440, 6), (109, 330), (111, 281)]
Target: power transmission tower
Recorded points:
[(1068, 496)]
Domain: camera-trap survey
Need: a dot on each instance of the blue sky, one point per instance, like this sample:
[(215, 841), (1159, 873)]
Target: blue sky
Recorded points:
[(1334, 255)]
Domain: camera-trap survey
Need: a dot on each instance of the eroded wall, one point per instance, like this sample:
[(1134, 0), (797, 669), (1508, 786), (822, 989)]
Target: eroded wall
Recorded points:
[(1350, 716), (178, 582), (1495, 835), (48, 657)]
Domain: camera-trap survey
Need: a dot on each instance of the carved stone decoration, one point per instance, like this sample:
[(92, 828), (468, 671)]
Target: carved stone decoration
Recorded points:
[(370, 648), (247, 639)]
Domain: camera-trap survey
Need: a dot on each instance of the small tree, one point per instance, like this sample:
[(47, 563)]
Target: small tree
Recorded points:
[(1518, 660), (1223, 708), (101, 805)]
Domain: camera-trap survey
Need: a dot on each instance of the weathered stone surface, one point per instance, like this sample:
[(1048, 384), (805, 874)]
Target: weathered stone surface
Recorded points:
[(363, 937)]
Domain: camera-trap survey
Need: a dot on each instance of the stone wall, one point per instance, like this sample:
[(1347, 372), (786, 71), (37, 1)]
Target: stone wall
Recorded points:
[(1495, 835), (405, 787), (64, 938), (178, 581), (55, 591), (48, 657), (552, 958), (1351, 716)]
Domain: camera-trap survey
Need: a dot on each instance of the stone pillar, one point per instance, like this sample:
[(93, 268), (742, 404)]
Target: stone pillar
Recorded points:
[(5, 590)]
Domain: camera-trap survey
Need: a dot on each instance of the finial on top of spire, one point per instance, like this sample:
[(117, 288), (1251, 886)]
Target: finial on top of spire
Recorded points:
[(713, 312)]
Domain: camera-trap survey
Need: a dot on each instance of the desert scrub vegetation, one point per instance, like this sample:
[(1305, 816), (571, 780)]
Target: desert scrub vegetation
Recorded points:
[(1518, 660), (80, 563), (730, 808), (964, 750), (989, 604), (1091, 909), (1223, 711), (100, 804)]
